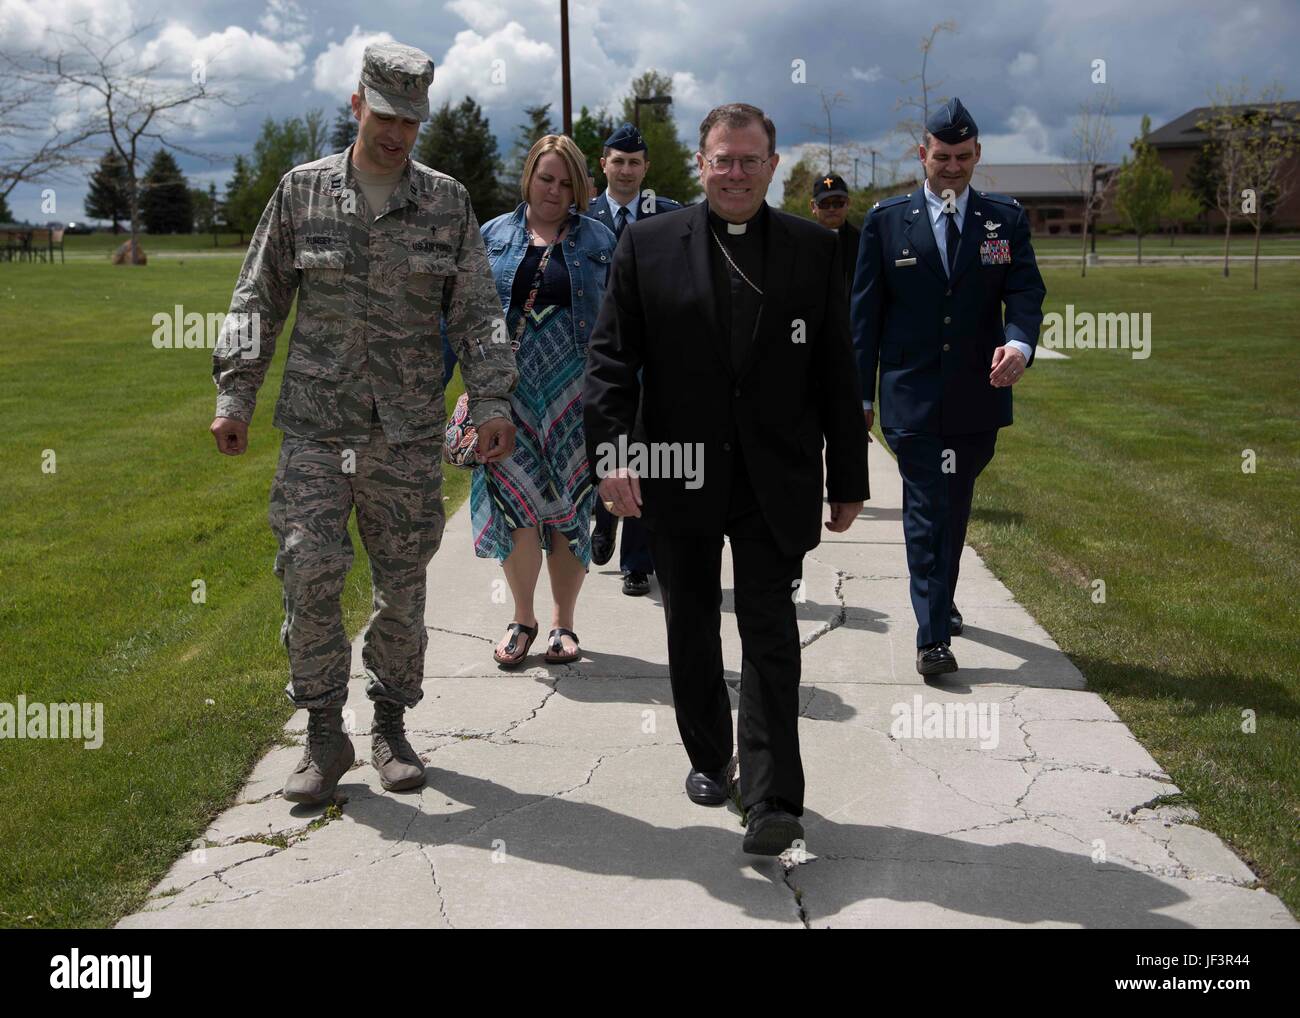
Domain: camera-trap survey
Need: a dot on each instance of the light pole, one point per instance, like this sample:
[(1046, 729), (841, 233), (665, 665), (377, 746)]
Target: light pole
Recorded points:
[(658, 100)]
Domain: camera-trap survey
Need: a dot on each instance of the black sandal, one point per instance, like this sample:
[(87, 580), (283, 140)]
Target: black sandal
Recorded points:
[(516, 657), (555, 647)]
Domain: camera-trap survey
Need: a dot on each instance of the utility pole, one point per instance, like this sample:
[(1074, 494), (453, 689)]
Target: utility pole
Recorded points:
[(564, 67)]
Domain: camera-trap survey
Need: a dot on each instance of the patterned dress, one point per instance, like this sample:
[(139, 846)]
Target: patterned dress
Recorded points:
[(546, 482)]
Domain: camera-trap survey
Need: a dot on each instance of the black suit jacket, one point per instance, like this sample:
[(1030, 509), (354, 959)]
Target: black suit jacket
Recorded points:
[(798, 387)]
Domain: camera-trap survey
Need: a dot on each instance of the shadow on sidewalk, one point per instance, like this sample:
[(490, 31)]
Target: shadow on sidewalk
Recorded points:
[(1016, 882)]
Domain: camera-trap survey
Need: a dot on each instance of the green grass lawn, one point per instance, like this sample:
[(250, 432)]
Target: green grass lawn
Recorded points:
[(96, 566), (1131, 472), (1243, 245), (103, 244)]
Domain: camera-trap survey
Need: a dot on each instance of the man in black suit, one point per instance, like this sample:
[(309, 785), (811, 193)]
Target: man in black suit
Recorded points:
[(736, 318)]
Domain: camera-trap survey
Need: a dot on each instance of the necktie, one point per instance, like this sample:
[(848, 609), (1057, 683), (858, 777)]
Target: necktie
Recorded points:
[(620, 221), (954, 237)]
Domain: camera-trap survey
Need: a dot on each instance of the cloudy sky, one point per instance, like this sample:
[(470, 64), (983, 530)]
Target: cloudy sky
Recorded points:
[(1021, 66)]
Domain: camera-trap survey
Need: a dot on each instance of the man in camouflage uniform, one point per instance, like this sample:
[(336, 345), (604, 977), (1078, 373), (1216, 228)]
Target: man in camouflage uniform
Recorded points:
[(361, 404)]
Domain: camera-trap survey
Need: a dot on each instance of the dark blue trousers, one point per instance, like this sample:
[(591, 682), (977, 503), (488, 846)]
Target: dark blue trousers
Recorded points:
[(937, 493), (634, 555)]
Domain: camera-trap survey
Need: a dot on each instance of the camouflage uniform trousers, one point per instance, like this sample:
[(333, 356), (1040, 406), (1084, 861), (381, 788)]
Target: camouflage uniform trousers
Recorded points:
[(396, 489)]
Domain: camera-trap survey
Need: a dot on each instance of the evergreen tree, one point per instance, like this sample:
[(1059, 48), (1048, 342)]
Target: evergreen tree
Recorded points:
[(241, 212), (458, 142), (589, 132), (672, 172), (344, 131), (165, 197), (109, 196), (5, 215), (538, 126)]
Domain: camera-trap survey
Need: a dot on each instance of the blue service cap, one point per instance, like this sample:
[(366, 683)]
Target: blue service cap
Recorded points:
[(626, 138), (952, 123)]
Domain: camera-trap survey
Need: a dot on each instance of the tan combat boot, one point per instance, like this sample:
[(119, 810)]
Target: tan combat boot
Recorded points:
[(326, 758), (397, 763)]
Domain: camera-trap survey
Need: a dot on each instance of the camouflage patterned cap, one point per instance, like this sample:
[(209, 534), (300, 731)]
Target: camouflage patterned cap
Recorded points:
[(397, 79)]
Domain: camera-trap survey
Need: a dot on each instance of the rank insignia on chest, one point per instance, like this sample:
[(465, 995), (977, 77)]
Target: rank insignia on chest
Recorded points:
[(995, 252)]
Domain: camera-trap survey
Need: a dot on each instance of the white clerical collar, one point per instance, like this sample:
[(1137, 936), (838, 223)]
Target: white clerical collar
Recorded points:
[(737, 227)]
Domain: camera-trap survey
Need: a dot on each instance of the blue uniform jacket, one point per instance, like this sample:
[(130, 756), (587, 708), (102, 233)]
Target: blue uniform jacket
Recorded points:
[(931, 339), (599, 209)]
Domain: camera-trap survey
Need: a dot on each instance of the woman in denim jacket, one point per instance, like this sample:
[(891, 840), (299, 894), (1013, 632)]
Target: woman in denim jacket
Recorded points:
[(541, 497)]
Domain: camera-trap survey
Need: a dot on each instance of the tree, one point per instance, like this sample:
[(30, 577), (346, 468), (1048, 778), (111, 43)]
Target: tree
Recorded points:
[(799, 185), (1090, 142), (538, 127), (344, 131), (1271, 136), (40, 139), (242, 213), (672, 173), (280, 146), (1142, 187), (829, 102), (459, 142), (913, 125), (1226, 128), (589, 133), (1181, 209), (165, 205), (313, 123), (1203, 176), (133, 110), (207, 210), (108, 197)]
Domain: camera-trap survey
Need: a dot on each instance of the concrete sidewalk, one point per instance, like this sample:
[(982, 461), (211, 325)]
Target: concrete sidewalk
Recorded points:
[(554, 794)]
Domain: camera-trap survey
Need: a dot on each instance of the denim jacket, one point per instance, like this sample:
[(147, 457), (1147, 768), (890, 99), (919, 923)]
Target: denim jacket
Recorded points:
[(588, 248)]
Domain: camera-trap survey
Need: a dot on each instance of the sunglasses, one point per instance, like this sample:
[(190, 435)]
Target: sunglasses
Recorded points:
[(833, 203)]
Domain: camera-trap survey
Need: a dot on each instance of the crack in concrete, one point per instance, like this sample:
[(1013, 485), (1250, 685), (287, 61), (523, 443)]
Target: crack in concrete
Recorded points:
[(456, 632), (437, 887), (555, 684), (797, 893), (841, 613)]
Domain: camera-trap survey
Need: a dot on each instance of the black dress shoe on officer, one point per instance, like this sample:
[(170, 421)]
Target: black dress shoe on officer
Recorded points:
[(636, 584), (708, 788), (954, 621), (935, 659), (772, 829), (602, 545)]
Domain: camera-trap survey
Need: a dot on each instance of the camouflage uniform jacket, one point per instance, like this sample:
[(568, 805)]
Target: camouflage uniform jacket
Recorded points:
[(369, 299)]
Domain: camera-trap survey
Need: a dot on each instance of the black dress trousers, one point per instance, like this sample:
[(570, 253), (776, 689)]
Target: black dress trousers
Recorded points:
[(766, 582)]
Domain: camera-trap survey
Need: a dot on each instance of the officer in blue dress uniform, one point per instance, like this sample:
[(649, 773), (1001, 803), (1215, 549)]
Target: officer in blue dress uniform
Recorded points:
[(624, 163), (946, 307)]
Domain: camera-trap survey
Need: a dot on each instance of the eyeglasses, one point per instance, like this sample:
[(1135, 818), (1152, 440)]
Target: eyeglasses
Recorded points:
[(833, 203), (748, 164)]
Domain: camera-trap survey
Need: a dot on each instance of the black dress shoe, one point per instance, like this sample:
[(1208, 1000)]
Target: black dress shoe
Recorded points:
[(636, 584), (772, 829), (935, 660), (954, 621), (602, 545), (708, 788)]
